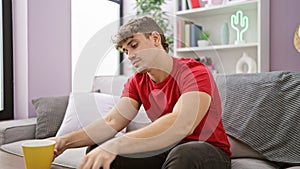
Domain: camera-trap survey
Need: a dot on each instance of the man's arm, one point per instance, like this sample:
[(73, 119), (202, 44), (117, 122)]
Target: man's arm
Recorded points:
[(100, 130), (167, 130)]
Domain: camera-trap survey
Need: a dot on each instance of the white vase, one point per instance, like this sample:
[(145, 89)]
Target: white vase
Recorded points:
[(246, 64)]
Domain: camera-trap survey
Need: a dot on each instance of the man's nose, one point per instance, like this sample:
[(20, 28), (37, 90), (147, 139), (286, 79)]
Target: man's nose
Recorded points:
[(131, 56)]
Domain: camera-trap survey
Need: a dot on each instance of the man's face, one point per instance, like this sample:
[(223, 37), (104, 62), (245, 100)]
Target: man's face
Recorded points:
[(141, 51)]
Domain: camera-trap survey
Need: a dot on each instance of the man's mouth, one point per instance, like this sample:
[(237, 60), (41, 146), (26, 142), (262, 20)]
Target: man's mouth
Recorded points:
[(135, 62)]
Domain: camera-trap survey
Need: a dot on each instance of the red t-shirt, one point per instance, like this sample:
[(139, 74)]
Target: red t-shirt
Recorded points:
[(159, 98)]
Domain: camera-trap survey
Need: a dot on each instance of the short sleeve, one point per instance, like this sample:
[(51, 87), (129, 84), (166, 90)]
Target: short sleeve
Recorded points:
[(130, 89), (195, 77)]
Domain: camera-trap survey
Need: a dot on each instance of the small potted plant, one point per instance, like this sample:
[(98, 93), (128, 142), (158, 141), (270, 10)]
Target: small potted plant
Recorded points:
[(203, 39)]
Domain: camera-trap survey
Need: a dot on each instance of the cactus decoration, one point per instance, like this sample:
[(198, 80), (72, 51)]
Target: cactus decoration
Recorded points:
[(239, 22)]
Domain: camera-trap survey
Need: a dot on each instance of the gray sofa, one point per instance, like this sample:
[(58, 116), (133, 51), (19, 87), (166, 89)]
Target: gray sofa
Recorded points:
[(261, 115)]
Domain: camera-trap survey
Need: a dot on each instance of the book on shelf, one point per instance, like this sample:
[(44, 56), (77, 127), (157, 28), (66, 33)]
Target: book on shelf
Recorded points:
[(187, 34), (184, 4), (180, 34), (179, 5), (194, 4), (195, 31), (187, 29), (188, 4)]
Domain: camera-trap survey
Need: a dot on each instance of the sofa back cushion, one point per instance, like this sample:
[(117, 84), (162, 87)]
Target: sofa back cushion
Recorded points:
[(114, 85), (109, 84), (50, 113), (84, 108), (262, 110)]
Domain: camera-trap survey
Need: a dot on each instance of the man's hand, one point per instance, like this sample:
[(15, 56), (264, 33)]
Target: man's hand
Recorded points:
[(60, 145), (97, 158)]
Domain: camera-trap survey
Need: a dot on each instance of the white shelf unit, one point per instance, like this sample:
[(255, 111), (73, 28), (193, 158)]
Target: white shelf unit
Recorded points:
[(224, 57)]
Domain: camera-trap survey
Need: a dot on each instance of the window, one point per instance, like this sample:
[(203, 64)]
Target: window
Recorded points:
[(6, 61), (94, 23)]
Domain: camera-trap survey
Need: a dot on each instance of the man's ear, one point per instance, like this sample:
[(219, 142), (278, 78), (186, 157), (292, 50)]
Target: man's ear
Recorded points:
[(156, 37)]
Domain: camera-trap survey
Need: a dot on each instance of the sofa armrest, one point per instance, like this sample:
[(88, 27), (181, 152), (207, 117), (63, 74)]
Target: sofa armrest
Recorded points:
[(15, 130)]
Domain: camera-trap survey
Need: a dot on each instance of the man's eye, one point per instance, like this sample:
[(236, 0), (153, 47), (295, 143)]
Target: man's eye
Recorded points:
[(134, 45)]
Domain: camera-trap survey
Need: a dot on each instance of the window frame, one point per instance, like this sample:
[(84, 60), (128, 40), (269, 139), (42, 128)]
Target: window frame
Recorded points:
[(8, 109)]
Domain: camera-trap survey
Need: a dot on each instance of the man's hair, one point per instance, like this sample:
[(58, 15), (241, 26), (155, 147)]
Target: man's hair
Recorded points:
[(145, 25)]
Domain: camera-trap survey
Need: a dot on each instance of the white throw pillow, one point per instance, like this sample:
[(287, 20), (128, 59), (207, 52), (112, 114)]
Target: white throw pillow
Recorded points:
[(83, 108)]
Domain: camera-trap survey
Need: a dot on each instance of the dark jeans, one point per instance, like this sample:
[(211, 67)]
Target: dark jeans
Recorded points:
[(191, 155)]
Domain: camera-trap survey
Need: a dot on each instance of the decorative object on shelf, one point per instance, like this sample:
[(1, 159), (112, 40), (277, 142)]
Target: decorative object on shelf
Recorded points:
[(246, 64), (225, 34), (233, 1), (213, 2), (208, 62), (297, 39), (240, 23), (203, 39)]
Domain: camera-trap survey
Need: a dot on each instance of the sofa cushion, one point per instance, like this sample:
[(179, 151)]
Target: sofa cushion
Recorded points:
[(50, 113), (251, 163), (15, 130), (114, 85), (262, 110), (84, 108), (109, 84), (141, 120), (71, 158)]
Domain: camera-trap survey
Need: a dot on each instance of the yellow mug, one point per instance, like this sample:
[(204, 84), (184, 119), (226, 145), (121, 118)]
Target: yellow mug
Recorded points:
[(38, 154)]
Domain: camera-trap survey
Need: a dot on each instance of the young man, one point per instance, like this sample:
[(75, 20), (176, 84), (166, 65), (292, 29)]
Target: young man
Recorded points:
[(179, 96)]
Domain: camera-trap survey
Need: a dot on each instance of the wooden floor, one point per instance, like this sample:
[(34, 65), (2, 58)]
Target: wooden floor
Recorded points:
[(10, 161)]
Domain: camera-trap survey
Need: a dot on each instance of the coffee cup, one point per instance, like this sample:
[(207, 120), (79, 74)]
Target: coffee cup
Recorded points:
[(38, 154)]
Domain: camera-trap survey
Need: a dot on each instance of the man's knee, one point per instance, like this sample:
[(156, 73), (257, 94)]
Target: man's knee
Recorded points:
[(182, 156), (196, 155), (183, 150)]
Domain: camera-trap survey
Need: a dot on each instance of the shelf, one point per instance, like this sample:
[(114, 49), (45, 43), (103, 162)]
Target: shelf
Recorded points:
[(217, 47), (218, 10), (212, 19)]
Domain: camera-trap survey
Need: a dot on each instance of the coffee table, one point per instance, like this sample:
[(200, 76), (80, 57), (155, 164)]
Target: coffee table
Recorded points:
[(10, 161)]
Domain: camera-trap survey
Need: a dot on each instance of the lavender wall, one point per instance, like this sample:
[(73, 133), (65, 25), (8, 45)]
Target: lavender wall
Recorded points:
[(285, 18), (49, 43), (43, 67)]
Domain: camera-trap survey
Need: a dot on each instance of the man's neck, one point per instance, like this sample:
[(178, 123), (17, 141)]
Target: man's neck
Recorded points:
[(159, 75)]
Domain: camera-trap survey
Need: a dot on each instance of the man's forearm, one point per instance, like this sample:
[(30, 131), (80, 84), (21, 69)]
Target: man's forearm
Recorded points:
[(95, 133), (160, 134), (77, 139)]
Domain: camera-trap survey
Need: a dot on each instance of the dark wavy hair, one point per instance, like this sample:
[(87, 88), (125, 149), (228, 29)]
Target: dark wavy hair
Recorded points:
[(145, 25)]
